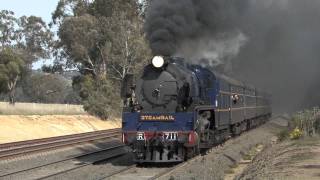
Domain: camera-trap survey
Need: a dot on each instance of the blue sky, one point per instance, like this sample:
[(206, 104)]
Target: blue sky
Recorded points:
[(41, 8)]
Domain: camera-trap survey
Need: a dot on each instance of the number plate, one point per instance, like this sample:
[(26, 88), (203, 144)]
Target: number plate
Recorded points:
[(170, 136), (140, 136)]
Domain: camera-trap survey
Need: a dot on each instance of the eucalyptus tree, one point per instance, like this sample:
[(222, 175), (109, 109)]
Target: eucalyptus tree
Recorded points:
[(11, 68), (23, 41), (101, 37), (104, 40)]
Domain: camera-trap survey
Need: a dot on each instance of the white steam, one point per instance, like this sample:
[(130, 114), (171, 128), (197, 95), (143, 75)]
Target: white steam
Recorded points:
[(213, 51)]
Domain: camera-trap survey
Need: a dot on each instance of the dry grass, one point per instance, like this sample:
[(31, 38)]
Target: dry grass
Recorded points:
[(307, 121), (40, 109)]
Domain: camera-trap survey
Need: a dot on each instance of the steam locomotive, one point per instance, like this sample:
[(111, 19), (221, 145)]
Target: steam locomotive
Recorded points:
[(175, 109)]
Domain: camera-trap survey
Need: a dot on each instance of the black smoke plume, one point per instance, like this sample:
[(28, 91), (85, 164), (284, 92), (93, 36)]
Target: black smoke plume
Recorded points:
[(282, 54), (272, 44), (171, 22)]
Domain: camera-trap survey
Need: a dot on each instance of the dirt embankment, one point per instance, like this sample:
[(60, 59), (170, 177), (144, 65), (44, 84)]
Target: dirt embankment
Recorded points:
[(21, 127), (221, 161), (299, 159), (40, 109)]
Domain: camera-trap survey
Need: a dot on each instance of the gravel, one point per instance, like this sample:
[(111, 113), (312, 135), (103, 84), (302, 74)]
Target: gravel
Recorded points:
[(220, 160), (214, 165), (292, 160), (38, 159)]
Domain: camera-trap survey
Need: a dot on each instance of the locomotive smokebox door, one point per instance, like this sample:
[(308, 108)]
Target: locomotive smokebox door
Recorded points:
[(127, 85)]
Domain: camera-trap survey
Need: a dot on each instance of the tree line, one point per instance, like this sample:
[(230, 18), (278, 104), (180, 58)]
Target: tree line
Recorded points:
[(103, 40)]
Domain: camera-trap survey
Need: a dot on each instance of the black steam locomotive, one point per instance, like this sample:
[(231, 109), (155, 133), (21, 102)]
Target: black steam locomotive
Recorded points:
[(175, 109)]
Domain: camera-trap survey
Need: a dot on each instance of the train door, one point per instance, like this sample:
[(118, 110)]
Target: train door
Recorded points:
[(206, 124)]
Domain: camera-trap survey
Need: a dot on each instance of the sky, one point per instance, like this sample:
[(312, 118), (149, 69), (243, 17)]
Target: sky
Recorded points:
[(41, 8)]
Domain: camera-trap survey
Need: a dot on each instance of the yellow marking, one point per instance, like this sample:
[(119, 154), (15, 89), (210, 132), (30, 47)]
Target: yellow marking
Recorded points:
[(157, 118), (222, 110), (240, 108)]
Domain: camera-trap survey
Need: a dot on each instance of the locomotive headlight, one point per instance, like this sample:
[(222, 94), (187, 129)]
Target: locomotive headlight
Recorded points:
[(158, 61)]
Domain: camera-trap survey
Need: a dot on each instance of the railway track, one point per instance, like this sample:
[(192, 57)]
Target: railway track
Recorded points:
[(71, 163), (60, 167), (170, 170), (74, 165), (16, 149), (153, 173), (148, 173)]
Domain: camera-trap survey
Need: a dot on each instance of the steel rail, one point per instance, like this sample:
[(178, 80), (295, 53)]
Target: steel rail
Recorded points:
[(63, 160), (81, 166), (57, 138), (50, 144)]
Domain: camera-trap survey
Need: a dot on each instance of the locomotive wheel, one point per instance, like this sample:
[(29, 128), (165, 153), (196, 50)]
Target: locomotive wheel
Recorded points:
[(190, 152)]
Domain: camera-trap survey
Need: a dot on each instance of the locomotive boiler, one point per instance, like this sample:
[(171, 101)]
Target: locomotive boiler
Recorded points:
[(174, 109)]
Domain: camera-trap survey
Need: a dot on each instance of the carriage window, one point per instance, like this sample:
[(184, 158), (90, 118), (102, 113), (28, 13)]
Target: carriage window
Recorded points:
[(235, 98)]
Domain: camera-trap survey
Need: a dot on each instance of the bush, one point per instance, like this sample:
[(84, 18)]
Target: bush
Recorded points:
[(99, 97), (317, 124), (283, 134), (306, 121), (46, 88), (296, 133)]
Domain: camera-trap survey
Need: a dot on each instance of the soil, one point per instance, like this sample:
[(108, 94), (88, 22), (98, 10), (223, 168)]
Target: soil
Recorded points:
[(244, 162), (224, 162), (257, 154), (20, 127), (297, 159)]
